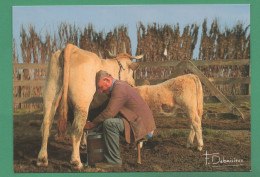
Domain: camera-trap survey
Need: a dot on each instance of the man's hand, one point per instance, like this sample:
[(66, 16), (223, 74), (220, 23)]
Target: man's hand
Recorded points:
[(89, 125)]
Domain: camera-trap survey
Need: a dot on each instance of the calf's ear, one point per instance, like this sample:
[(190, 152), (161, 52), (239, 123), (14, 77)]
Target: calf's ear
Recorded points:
[(133, 66)]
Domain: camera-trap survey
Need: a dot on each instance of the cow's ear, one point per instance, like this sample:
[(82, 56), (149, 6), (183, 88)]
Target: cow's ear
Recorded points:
[(133, 66)]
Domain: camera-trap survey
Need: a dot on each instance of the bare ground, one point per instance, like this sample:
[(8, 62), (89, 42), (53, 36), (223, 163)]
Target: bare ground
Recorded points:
[(228, 138)]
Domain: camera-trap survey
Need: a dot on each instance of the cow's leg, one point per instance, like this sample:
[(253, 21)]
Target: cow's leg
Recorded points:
[(196, 123), (51, 97), (80, 117), (49, 111), (83, 143)]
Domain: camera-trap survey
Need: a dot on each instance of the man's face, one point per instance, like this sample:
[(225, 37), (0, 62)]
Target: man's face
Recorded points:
[(104, 85)]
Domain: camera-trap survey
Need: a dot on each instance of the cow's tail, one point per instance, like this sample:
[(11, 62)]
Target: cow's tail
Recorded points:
[(199, 96), (63, 107)]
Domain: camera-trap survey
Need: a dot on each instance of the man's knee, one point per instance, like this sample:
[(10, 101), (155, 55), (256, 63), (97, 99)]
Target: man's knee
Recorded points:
[(107, 123), (113, 124)]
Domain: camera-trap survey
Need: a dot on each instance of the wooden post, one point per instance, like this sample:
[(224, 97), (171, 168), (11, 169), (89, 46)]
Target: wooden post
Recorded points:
[(21, 89), (249, 87), (180, 67), (30, 94), (213, 89)]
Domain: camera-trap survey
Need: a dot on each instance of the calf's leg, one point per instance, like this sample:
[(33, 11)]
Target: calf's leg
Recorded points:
[(196, 123), (191, 136)]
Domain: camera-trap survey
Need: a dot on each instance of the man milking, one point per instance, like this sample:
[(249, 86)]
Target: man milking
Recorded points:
[(126, 114)]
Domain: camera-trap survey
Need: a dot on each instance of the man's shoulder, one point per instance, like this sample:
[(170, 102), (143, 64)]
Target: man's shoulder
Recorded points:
[(121, 83), (121, 86)]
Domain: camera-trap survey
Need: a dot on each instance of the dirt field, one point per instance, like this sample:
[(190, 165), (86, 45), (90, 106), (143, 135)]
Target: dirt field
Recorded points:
[(227, 146)]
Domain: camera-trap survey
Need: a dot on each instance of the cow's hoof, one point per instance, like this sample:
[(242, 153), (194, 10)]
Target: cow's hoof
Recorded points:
[(188, 145), (200, 148), (42, 162), (76, 165)]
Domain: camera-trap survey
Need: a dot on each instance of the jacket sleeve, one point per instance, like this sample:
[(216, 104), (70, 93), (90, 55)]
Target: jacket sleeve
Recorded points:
[(118, 98)]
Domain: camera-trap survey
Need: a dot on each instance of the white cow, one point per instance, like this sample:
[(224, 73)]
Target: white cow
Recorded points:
[(183, 92), (70, 81)]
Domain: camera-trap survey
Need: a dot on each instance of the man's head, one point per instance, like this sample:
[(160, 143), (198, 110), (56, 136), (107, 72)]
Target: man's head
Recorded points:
[(103, 82)]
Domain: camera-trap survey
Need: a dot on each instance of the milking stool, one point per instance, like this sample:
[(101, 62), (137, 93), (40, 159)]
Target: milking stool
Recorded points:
[(140, 145)]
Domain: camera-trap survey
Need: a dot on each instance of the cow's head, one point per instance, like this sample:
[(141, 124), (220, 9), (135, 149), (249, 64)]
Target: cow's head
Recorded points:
[(126, 72)]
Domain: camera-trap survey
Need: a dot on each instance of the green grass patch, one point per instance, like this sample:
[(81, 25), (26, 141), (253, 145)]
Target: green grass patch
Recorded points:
[(213, 104), (245, 103), (28, 111), (213, 134), (174, 133)]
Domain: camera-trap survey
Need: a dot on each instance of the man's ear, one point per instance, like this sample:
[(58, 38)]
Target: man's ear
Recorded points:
[(106, 79)]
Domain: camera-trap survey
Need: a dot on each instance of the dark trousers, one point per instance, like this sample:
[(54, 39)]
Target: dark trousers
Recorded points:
[(112, 129)]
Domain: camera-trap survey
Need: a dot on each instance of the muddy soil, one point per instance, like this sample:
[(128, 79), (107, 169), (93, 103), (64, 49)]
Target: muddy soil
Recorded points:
[(227, 147)]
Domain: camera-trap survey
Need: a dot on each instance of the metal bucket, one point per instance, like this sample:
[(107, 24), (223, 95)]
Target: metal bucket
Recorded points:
[(95, 147)]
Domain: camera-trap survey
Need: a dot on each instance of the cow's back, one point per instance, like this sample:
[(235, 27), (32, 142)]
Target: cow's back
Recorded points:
[(54, 75), (84, 58)]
